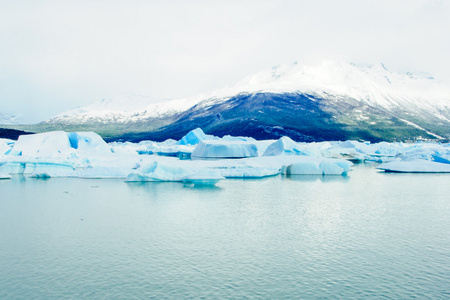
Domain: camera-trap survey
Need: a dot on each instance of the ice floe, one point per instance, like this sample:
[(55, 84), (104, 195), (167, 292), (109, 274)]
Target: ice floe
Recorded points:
[(5, 176), (415, 166)]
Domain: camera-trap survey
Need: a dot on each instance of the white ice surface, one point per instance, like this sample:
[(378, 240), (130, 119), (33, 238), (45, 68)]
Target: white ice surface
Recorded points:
[(60, 144), (317, 166), (225, 149), (415, 166), (5, 176), (6, 146), (194, 137), (86, 155), (47, 144), (285, 146)]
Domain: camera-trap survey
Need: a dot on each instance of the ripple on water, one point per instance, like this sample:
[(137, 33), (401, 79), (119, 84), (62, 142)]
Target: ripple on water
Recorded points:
[(368, 235)]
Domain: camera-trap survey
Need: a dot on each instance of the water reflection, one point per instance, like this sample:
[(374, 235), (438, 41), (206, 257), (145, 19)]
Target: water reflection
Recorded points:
[(322, 178), (201, 187)]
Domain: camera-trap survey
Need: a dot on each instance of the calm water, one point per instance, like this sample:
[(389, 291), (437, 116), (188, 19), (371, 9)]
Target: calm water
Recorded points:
[(368, 235)]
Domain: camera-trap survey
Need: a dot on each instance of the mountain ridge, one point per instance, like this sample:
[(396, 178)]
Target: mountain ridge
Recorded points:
[(328, 101), (372, 84)]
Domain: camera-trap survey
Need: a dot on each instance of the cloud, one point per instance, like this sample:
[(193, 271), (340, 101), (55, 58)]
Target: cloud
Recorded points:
[(55, 55)]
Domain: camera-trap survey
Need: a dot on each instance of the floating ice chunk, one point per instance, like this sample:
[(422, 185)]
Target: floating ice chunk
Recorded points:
[(47, 144), (125, 147), (168, 170), (317, 166), (180, 151), (386, 149), (225, 149), (309, 167), (88, 142), (118, 165), (59, 144), (331, 168), (350, 150), (415, 166), (156, 171), (285, 146), (5, 176), (248, 172), (194, 137)]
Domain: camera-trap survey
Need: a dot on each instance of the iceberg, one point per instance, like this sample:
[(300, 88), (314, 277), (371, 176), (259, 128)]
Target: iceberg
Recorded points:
[(128, 147), (47, 144), (59, 144), (87, 155), (317, 166), (350, 150), (157, 171), (415, 166), (88, 142), (194, 137), (225, 149), (309, 167), (5, 176), (285, 146), (160, 171)]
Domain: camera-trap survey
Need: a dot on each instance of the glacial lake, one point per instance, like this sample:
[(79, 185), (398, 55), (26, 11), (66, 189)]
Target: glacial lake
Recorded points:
[(367, 235)]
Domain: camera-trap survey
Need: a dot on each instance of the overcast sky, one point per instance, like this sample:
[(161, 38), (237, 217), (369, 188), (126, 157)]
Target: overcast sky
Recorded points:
[(55, 55)]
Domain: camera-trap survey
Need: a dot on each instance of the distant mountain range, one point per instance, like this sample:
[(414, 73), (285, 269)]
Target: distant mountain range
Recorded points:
[(9, 119), (331, 101)]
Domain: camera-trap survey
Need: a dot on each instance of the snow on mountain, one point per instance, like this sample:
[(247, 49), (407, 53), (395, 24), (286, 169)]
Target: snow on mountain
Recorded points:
[(126, 107), (9, 119), (372, 84)]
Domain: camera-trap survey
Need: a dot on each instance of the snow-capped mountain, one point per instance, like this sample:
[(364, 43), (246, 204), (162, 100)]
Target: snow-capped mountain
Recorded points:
[(339, 98), (9, 119), (122, 108)]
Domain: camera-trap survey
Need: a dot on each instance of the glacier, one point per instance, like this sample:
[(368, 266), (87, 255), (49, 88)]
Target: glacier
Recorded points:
[(202, 159)]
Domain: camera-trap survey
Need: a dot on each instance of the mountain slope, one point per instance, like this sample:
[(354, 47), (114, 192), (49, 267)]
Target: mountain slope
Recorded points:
[(9, 119), (303, 117), (328, 101)]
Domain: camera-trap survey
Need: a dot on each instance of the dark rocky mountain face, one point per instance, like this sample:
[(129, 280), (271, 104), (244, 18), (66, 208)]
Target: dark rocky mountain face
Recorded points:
[(302, 117), (11, 133)]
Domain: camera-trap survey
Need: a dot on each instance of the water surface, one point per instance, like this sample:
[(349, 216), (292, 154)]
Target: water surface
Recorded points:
[(367, 235)]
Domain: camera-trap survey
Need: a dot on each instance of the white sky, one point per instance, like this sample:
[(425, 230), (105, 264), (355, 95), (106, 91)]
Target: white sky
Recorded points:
[(55, 55)]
